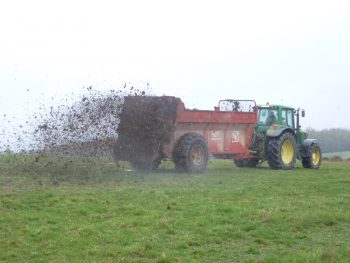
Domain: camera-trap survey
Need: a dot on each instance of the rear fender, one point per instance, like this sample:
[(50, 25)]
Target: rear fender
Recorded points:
[(276, 131), (305, 147)]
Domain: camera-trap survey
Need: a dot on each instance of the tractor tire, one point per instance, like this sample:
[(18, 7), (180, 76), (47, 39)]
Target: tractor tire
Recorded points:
[(251, 162), (314, 159), (282, 152), (190, 153)]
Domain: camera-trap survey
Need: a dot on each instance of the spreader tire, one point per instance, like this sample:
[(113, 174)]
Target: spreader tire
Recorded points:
[(190, 153), (145, 165), (281, 152), (239, 163), (314, 158), (141, 165), (251, 162)]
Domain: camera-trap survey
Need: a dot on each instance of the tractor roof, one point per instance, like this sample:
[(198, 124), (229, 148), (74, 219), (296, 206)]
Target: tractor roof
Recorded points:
[(274, 106)]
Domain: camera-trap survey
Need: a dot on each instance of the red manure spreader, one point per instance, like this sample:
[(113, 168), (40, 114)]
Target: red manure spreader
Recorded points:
[(152, 129)]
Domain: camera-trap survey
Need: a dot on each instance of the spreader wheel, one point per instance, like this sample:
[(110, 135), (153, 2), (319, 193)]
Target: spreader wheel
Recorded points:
[(145, 165), (239, 163), (190, 153), (251, 162)]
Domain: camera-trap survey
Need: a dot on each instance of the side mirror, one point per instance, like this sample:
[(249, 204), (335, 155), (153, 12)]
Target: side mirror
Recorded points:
[(303, 113)]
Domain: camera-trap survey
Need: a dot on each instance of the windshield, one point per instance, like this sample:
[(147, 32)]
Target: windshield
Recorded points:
[(267, 117)]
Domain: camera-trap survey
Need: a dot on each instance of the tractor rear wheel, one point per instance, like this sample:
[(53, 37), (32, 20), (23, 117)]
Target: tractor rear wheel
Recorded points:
[(251, 162), (190, 153), (281, 152), (314, 159)]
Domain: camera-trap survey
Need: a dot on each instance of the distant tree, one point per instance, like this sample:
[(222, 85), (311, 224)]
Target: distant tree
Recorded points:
[(331, 140)]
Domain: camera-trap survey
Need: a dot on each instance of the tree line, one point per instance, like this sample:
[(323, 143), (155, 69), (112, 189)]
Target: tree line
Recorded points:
[(331, 140)]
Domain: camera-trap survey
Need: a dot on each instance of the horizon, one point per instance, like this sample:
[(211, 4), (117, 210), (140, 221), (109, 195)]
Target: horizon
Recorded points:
[(293, 54)]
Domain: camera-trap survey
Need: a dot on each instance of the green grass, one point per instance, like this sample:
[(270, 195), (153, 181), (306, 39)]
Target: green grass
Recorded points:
[(88, 210), (344, 155)]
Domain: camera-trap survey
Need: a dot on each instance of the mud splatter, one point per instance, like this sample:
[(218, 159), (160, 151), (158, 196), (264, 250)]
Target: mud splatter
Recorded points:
[(87, 127), (83, 126), (146, 125)]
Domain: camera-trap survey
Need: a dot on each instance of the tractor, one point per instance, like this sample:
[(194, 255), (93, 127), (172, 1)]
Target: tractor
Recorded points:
[(279, 140)]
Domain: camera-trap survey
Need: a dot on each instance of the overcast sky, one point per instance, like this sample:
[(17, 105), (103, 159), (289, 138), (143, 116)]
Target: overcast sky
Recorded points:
[(291, 52)]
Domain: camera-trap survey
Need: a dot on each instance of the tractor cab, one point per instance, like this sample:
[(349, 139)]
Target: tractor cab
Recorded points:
[(276, 115), (275, 119)]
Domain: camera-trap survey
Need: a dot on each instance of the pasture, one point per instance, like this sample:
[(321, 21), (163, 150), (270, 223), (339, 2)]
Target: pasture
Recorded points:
[(91, 210), (343, 155)]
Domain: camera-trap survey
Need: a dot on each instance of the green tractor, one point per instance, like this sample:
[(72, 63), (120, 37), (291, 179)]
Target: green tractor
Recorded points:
[(279, 140)]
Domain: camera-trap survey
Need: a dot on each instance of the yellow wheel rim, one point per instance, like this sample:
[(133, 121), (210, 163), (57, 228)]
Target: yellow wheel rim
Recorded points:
[(315, 156), (287, 152)]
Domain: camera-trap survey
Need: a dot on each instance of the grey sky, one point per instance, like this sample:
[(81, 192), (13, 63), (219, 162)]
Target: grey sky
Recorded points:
[(291, 52)]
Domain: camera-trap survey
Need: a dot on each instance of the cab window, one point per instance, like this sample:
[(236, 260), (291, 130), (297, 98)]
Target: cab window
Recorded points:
[(290, 119), (284, 117), (267, 117), (287, 118)]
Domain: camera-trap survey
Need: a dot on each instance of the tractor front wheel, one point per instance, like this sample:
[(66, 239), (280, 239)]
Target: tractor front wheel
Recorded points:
[(190, 153), (314, 158), (281, 152)]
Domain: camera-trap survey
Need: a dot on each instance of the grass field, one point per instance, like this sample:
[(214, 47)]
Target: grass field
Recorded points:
[(94, 211), (344, 155)]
